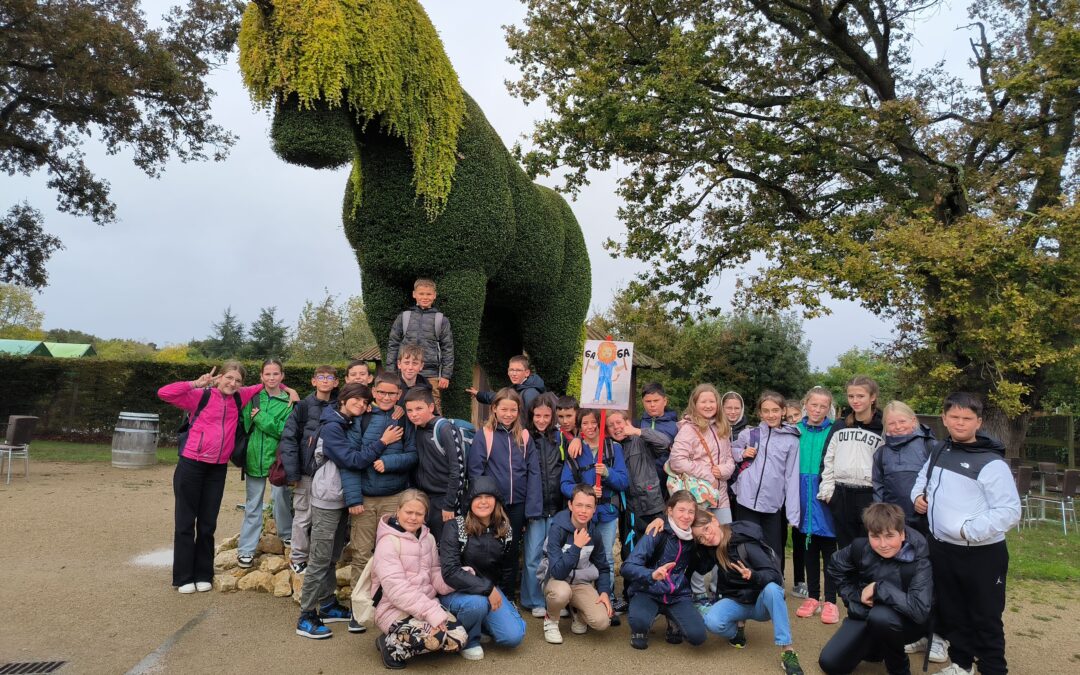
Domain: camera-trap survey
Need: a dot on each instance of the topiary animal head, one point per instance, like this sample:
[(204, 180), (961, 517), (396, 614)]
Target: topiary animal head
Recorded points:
[(362, 61)]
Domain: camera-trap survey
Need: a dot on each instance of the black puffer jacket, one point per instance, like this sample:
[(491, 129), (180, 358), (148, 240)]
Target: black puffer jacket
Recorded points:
[(755, 554), (904, 582), (640, 453), (438, 345), (897, 465), (489, 556), (552, 457), (297, 445)]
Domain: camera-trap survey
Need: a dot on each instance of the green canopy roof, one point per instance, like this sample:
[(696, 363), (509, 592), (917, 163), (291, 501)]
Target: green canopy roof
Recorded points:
[(24, 348), (67, 350)]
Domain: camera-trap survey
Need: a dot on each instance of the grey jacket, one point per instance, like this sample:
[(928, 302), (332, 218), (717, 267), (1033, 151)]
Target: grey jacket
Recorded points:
[(438, 344)]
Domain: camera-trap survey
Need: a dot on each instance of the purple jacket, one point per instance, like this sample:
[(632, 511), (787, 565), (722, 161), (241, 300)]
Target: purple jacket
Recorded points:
[(773, 477)]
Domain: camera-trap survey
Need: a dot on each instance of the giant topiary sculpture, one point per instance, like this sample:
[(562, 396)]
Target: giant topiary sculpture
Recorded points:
[(433, 191)]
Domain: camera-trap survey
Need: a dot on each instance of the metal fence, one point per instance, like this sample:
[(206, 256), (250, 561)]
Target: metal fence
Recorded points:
[(1050, 438)]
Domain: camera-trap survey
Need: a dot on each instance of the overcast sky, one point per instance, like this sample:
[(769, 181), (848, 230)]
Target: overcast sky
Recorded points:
[(211, 235)]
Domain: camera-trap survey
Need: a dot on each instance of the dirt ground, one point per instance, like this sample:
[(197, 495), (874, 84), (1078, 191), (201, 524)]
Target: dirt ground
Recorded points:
[(69, 590)]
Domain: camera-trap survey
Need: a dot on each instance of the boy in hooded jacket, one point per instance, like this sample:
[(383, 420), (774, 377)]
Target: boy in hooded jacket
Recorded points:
[(523, 380), (887, 584), (968, 494), (576, 573)]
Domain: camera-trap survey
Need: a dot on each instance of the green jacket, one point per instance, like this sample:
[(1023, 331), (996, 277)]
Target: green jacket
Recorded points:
[(264, 431)]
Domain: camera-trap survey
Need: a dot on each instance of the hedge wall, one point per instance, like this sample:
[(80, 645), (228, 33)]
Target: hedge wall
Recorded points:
[(79, 399)]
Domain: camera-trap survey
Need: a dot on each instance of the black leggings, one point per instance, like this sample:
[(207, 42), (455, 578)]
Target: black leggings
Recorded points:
[(516, 514), (772, 525), (816, 553), (847, 504), (198, 488)]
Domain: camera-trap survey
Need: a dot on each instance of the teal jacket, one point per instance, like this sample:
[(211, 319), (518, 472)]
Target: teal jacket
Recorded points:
[(264, 430)]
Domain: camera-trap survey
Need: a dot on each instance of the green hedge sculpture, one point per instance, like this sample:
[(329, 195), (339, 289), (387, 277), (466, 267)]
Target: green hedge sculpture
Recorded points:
[(433, 191)]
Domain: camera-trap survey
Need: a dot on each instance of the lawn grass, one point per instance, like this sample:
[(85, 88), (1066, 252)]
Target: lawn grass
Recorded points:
[(1045, 553), (62, 451)]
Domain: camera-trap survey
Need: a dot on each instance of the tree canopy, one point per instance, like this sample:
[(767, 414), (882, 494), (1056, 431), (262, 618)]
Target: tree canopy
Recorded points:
[(801, 131), (72, 69), (20, 318)]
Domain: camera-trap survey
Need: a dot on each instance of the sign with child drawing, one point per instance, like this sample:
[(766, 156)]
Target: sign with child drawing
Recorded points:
[(605, 374)]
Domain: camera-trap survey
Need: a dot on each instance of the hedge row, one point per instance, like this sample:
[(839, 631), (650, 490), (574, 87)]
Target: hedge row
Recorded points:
[(79, 399)]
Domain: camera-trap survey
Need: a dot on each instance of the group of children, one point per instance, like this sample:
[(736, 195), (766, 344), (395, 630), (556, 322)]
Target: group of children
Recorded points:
[(908, 531)]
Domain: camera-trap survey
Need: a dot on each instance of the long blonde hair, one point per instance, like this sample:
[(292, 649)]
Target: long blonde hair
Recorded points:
[(723, 429), (703, 518), (507, 394)]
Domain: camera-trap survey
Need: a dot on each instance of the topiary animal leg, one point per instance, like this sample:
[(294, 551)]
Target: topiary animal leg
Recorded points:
[(461, 298)]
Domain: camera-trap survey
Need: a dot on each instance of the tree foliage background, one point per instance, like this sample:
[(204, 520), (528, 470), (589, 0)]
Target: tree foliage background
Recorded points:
[(800, 130)]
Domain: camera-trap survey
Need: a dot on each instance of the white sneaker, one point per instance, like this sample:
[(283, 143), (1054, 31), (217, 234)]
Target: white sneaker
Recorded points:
[(954, 669), (939, 650), (551, 632), (203, 586), (576, 626), (187, 588), (916, 647), (564, 614), (473, 653), (539, 612)]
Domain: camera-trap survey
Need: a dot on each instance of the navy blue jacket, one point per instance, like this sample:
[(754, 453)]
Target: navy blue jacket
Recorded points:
[(564, 557), (531, 387), (617, 479), (896, 466), (399, 458), (334, 432), (656, 550), (515, 468), (297, 445)]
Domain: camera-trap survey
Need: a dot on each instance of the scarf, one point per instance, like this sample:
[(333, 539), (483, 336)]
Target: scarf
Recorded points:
[(685, 535)]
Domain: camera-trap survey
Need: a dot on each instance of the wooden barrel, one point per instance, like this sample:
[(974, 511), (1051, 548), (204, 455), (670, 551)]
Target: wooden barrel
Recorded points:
[(134, 441)]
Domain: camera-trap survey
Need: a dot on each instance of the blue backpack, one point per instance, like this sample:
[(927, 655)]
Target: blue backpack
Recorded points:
[(463, 432)]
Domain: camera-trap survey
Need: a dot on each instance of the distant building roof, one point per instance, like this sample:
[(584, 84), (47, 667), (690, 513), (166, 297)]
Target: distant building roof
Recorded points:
[(369, 354), (640, 360), (24, 348), (68, 350)]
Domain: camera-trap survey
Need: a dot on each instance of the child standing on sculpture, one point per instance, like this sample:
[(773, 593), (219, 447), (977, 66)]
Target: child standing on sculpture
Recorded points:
[(428, 327)]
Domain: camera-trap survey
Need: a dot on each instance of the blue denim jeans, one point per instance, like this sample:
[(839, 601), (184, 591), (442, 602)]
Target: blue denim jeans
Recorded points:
[(723, 617), (535, 536), (608, 532), (504, 625), (253, 514)]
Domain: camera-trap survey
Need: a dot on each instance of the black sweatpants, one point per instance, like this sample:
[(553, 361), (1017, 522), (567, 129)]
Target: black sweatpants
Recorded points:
[(516, 514), (847, 504), (197, 488), (881, 636), (797, 553), (816, 552), (772, 525), (969, 587)]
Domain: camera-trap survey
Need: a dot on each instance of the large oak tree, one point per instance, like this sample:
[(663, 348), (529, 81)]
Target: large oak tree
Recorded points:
[(799, 129), (75, 69)]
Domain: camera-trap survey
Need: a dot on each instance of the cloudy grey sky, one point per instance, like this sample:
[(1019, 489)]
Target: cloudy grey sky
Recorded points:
[(206, 236)]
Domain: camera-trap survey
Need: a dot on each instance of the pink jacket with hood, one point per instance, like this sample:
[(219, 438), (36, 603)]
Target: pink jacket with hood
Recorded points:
[(213, 434), (409, 575), (688, 456)]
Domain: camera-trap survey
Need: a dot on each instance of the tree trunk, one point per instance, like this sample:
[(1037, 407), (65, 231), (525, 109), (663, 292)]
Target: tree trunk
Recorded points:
[(1010, 431)]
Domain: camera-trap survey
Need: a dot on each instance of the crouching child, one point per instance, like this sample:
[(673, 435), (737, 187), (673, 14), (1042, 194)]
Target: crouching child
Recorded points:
[(576, 574), (887, 584)]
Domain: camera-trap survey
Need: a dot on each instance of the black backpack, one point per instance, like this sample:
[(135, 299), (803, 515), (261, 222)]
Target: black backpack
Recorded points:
[(240, 441)]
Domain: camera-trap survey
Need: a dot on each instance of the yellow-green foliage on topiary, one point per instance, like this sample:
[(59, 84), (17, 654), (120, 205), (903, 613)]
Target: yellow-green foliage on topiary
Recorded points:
[(508, 256), (381, 59)]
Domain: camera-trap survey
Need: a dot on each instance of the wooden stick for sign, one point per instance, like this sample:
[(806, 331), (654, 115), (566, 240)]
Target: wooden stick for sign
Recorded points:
[(600, 451)]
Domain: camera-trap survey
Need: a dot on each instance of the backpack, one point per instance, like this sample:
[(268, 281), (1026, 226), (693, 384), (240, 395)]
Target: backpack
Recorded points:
[(755, 439), (240, 440), (364, 601), (464, 433)]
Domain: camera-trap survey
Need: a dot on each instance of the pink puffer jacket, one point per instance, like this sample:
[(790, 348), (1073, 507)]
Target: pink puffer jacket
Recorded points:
[(409, 575), (689, 456), (213, 434)]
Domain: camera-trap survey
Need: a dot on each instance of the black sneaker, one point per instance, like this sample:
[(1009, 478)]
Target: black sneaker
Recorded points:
[(674, 634), (388, 660), (789, 660), (298, 567), (356, 627), (335, 612), (615, 620), (620, 606), (639, 640), (310, 626), (739, 641)]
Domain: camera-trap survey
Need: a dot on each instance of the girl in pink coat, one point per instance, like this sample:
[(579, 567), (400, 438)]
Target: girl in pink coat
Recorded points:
[(405, 569), (702, 449)]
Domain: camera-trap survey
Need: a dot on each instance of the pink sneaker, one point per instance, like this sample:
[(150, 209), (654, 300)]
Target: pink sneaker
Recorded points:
[(830, 613), (808, 608)]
